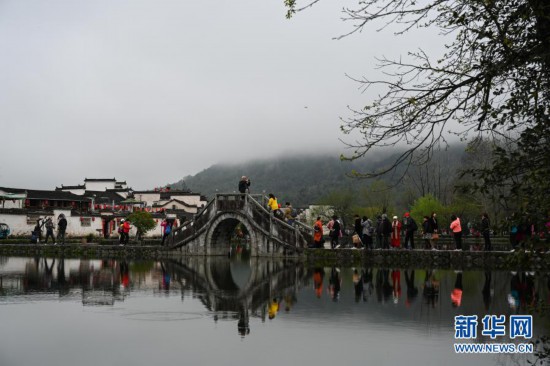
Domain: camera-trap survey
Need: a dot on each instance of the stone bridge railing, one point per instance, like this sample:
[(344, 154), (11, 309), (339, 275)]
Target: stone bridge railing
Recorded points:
[(253, 208)]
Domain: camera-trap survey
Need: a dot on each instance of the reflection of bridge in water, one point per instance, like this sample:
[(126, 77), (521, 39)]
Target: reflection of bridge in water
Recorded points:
[(239, 289), (230, 285), (210, 231)]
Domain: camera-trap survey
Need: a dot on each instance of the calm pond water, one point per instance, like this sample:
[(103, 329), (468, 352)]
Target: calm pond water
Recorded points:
[(216, 311)]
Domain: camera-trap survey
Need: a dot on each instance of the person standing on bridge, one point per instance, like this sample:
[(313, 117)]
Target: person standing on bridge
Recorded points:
[(272, 204), (334, 227), (456, 228), (244, 185), (318, 233), (409, 226), (485, 231), (166, 230)]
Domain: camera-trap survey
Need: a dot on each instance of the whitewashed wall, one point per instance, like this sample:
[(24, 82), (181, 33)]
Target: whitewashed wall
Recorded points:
[(149, 198), (19, 227), (78, 192), (100, 186), (11, 204), (190, 200)]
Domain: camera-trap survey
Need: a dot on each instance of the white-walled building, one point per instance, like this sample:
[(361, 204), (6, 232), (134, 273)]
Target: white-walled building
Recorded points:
[(95, 207)]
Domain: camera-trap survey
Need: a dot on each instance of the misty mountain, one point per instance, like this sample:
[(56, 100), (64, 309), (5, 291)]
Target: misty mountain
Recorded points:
[(301, 180)]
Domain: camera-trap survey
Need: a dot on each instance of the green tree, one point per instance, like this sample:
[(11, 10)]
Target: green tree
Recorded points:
[(425, 205), (143, 221)]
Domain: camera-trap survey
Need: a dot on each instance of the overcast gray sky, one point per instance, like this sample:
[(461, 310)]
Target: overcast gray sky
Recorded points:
[(149, 91)]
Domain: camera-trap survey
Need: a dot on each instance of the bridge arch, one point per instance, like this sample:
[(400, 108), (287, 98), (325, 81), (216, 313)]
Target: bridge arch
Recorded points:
[(219, 233)]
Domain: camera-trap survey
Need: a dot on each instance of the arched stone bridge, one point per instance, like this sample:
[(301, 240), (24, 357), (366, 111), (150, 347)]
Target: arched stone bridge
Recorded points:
[(210, 231)]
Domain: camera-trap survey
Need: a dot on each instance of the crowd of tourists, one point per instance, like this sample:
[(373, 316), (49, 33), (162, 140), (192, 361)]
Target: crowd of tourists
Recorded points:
[(383, 233)]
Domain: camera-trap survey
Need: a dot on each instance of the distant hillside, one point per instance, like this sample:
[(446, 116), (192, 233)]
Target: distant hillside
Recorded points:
[(301, 180)]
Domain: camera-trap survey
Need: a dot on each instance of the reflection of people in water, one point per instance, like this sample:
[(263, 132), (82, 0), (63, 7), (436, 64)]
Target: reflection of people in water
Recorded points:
[(243, 324), (318, 275), (522, 291), (124, 274), (378, 285), (387, 288), (513, 296), (456, 294), (367, 280), (165, 281), (48, 273), (396, 285), (64, 286), (529, 296), (357, 285), (486, 292), (412, 291), (290, 298), (273, 308), (334, 284), (431, 288)]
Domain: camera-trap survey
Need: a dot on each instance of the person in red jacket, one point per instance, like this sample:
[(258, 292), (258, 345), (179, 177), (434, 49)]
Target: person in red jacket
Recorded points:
[(396, 233), (126, 231)]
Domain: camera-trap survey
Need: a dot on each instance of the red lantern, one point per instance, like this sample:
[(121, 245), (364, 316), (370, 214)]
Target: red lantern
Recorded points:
[(27, 203), (93, 218)]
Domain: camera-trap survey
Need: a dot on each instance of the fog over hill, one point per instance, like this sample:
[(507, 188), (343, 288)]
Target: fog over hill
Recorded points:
[(300, 179)]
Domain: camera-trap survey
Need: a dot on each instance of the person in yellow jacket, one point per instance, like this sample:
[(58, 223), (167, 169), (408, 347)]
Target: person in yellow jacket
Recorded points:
[(273, 205)]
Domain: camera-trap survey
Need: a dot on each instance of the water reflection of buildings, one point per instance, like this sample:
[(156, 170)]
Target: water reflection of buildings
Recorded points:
[(96, 282)]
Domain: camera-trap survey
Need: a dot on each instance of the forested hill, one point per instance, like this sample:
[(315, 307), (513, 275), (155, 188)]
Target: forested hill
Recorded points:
[(302, 180)]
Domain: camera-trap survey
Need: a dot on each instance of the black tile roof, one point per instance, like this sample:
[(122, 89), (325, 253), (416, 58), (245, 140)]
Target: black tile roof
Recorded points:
[(106, 197), (70, 187), (35, 194), (99, 180), (12, 190), (117, 189), (38, 194)]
